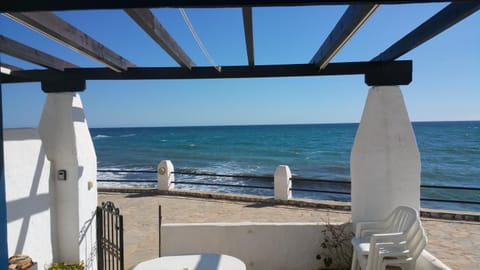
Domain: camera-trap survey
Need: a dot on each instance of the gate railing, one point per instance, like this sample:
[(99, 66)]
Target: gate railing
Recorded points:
[(110, 237)]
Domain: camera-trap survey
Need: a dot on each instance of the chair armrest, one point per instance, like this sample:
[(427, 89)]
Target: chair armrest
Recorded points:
[(394, 238), (371, 227)]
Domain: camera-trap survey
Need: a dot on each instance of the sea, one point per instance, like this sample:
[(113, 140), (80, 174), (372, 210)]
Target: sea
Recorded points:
[(316, 153)]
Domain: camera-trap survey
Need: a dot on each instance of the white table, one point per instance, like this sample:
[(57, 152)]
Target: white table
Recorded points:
[(201, 261)]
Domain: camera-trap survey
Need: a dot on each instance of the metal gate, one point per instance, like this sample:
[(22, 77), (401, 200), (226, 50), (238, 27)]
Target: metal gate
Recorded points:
[(109, 237)]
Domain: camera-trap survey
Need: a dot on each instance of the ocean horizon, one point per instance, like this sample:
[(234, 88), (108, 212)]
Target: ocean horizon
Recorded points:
[(269, 124), (449, 153)]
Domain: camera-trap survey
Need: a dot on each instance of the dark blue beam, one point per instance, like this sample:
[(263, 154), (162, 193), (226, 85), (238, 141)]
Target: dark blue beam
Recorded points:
[(53, 5)]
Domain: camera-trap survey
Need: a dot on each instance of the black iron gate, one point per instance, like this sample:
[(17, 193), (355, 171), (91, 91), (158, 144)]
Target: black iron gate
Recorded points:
[(109, 237)]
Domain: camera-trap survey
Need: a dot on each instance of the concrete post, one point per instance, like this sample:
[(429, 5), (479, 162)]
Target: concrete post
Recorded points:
[(68, 145), (385, 161), (282, 183), (165, 177)]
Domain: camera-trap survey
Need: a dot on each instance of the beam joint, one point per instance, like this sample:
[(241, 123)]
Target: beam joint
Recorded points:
[(63, 85), (388, 74)]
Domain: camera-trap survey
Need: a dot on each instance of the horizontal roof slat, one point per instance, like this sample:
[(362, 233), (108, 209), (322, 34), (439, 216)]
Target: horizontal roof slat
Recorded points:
[(353, 18), (67, 34), (29, 54), (248, 28), (444, 19), (149, 23)]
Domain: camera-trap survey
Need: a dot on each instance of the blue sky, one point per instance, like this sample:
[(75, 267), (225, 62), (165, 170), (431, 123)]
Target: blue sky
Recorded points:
[(446, 81)]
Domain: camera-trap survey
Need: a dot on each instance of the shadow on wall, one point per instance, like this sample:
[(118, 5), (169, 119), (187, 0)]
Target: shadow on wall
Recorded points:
[(87, 238), (25, 208)]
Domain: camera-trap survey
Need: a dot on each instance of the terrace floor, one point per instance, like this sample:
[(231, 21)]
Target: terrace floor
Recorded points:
[(455, 243)]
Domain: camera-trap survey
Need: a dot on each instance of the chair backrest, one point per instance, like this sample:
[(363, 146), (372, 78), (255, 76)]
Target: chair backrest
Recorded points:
[(407, 220), (416, 239), (401, 218)]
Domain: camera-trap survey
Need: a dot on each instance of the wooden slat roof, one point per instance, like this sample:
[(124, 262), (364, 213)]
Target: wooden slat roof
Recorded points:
[(383, 69), (29, 54), (58, 29)]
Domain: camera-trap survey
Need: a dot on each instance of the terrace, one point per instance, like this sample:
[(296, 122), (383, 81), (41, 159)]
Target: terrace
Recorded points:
[(49, 192)]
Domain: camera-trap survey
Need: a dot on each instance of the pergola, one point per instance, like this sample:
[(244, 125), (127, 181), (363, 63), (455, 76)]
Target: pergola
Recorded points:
[(62, 76)]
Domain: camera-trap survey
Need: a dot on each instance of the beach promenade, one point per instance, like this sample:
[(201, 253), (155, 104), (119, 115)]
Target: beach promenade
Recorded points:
[(455, 243)]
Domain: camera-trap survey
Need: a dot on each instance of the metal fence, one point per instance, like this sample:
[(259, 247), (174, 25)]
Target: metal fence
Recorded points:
[(315, 185)]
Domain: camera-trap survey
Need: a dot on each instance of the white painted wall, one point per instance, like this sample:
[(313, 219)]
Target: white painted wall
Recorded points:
[(87, 185), (64, 131), (259, 246), (28, 195), (279, 246), (385, 161)]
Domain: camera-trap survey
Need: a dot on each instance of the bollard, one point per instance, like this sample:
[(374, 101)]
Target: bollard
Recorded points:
[(165, 177), (282, 183)]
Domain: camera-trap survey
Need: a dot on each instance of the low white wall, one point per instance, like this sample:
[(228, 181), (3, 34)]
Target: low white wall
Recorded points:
[(279, 246), (29, 213), (428, 262), (258, 245)]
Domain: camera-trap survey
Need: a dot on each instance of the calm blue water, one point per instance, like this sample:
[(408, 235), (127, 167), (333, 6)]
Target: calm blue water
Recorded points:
[(450, 153)]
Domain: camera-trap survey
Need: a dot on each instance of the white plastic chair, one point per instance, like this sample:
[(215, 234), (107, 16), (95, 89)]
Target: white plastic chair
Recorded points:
[(396, 241)]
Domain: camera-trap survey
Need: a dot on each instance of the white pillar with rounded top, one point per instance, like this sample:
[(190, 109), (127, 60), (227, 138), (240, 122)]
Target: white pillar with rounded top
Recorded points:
[(282, 183), (385, 161), (165, 176)]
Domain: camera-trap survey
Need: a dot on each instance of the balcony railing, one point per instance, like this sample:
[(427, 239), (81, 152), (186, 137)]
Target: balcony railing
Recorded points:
[(267, 182)]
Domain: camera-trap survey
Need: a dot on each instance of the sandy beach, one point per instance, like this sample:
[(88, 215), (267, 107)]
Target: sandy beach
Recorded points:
[(455, 243)]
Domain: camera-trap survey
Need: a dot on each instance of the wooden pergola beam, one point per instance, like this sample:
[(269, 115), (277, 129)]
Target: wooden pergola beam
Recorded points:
[(444, 19), (67, 34), (29, 54), (353, 18), (57, 5), (149, 23), (248, 28)]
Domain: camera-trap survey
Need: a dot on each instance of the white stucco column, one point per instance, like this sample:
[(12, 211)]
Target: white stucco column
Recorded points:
[(165, 176), (282, 183), (385, 161), (69, 147)]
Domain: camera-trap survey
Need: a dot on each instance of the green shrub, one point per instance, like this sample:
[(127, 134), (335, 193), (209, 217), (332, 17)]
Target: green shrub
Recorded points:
[(64, 266)]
